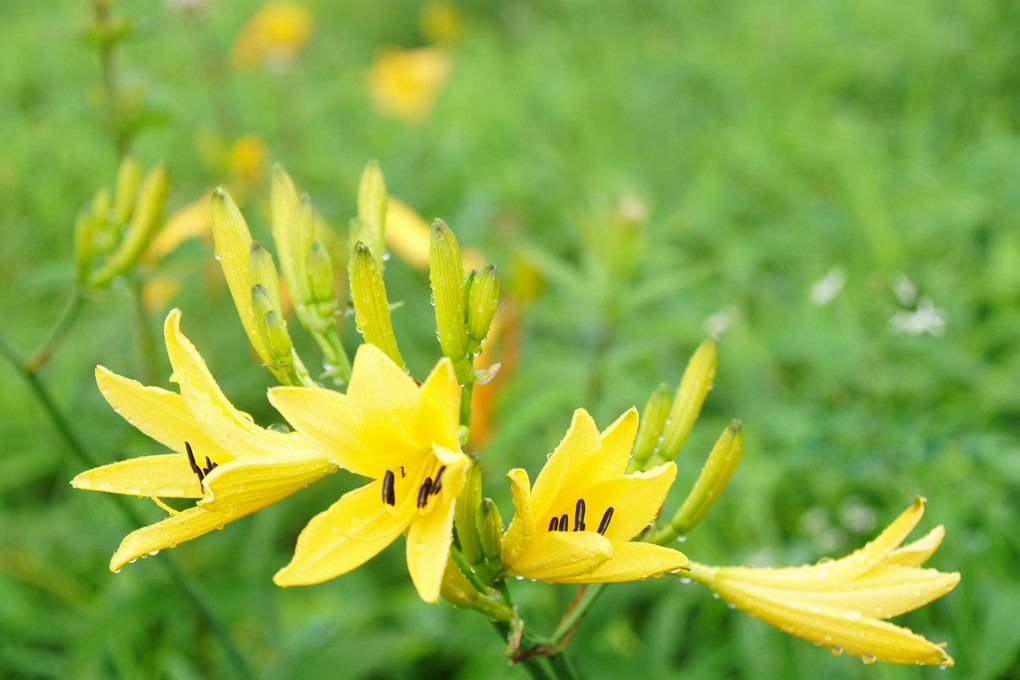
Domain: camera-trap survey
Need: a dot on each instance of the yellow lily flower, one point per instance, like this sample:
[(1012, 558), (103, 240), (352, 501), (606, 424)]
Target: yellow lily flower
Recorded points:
[(405, 83), (221, 457), (402, 436), (840, 603), (574, 526)]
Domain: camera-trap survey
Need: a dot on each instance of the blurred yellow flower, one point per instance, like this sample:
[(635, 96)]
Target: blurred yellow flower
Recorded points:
[(840, 603), (405, 83), (408, 235), (273, 36), (249, 158), (402, 436), (576, 524), (221, 457), (440, 22)]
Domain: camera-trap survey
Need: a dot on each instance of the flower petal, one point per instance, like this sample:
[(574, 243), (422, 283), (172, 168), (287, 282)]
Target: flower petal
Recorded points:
[(617, 441), (440, 403), (191, 523), (233, 430), (384, 399), (570, 465), (168, 475), (635, 500), (428, 547), (158, 413), (562, 556), (917, 553), (632, 562), (264, 480), (352, 531), (522, 528)]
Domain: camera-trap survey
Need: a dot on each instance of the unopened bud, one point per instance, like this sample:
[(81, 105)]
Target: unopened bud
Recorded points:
[(715, 474), (371, 226), (653, 419), (84, 230), (446, 273), (321, 284), (279, 356), (128, 176), (262, 271), (456, 588), (283, 200), (490, 536), (465, 515), (371, 306), (483, 298), (690, 396), (146, 219), (105, 233)]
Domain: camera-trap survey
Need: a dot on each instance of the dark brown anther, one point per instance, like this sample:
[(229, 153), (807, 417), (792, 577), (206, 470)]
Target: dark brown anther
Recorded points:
[(209, 465), (402, 473), (606, 518), (191, 460), (438, 484), (564, 523), (423, 492), (579, 515), (554, 524), (389, 497)]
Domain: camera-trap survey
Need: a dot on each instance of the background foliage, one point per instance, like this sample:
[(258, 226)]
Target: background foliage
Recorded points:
[(770, 143)]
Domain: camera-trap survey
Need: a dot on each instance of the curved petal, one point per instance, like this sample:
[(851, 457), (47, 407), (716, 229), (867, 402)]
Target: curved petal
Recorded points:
[(617, 441), (917, 553), (264, 480), (440, 403), (167, 475), (384, 399), (569, 465), (632, 562), (428, 548), (352, 531), (562, 557), (522, 527), (191, 523), (635, 500), (233, 430), (158, 413)]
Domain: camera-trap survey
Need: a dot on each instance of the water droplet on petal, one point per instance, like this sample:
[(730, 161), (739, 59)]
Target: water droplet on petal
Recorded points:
[(868, 659)]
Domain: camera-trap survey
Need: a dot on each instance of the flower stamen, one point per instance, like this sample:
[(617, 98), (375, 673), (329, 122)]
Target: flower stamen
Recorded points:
[(389, 496), (606, 518), (200, 471), (579, 515)]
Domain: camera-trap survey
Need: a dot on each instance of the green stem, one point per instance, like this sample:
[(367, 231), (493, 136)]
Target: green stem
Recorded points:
[(145, 339), (331, 347), (63, 428), (57, 335), (465, 404), (577, 612), (532, 664)]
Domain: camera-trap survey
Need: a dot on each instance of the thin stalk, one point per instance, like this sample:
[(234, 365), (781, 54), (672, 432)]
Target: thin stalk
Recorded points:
[(532, 664), (575, 613), (68, 316), (63, 428), (465, 404), (145, 340)]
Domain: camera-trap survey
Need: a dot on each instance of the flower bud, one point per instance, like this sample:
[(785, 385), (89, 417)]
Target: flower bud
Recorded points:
[(371, 306), (128, 176), (84, 230), (106, 234), (320, 278), (456, 588), (371, 223), (146, 219), (272, 327), (233, 249), (465, 515), (446, 273), (262, 272), (694, 387), (482, 300), (490, 536), (284, 204), (653, 419), (715, 474)]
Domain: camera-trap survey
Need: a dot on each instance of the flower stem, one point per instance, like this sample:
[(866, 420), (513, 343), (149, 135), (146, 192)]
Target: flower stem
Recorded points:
[(577, 611), (63, 428), (68, 316), (145, 341), (465, 404)]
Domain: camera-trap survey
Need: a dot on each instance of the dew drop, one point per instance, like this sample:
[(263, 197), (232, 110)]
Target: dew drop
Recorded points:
[(836, 651), (153, 552), (852, 615), (355, 520), (685, 579), (117, 572), (419, 546), (868, 659), (682, 538)]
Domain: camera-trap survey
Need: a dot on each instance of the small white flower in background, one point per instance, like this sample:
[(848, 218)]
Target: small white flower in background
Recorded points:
[(927, 318), (903, 288), (720, 322), (828, 287)]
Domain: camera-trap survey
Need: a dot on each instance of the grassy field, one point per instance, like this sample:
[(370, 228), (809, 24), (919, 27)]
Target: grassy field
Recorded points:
[(746, 151)]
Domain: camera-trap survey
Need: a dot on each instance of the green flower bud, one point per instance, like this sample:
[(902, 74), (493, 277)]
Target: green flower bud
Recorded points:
[(483, 298), (490, 536), (128, 176), (690, 396), (653, 419), (320, 278), (716, 473), (147, 218), (84, 230), (284, 207), (446, 273), (371, 306), (105, 233), (456, 588), (465, 516), (262, 272), (371, 228)]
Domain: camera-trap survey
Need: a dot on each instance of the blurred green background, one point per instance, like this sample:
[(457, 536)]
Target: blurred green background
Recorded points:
[(745, 151)]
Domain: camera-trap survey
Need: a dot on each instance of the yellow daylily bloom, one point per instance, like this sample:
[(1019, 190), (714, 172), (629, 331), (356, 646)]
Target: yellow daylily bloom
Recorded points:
[(575, 525), (840, 603), (221, 457), (408, 234), (402, 436), (405, 83), (273, 36)]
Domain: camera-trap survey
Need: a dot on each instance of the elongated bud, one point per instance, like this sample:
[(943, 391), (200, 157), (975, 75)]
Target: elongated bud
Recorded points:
[(233, 250), (715, 474), (262, 272), (456, 588), (272, 327), (371, 224), (490, 536), (465, 515), (320, 278), (483, 298), (284, 204), (146, 219), (694, 387), (446, 273), (84, 230), (653, 420), (106, 234), (371, 306), (128, 176)]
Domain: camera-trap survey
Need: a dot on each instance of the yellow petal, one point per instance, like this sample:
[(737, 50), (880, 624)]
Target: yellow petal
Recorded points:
[(635, 500), (428, 547), (324, 417), (175, 529), (845, 629), (160, 414), (168, 475), (233, 430), (352, 531), (617, 441), (571, 466), (263, 480), (440, 402), (562, 556), (827, 574), (522, 528), (383, 396), (917, 553), (632, 562)]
